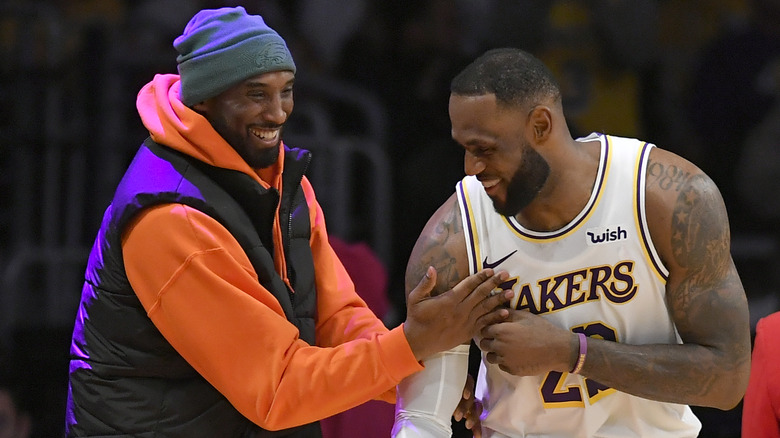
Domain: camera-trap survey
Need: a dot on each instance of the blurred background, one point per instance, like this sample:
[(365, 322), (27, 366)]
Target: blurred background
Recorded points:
[(700, 78)]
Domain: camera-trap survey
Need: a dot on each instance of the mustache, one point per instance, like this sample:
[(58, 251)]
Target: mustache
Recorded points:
[(266, 126)]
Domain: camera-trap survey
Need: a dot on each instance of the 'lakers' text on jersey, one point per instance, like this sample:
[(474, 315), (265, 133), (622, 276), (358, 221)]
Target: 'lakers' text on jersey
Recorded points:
[(599, 275)]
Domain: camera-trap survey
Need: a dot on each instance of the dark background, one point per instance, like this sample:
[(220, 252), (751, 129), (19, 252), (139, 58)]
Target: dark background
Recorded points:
[(700, 78)]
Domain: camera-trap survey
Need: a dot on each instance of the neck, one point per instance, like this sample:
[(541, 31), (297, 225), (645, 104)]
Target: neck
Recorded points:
[(573, 170)]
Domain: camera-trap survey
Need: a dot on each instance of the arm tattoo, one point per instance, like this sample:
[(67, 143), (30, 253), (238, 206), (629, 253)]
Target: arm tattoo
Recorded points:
[(702, 289), (667, 177), (433, 250), (701, 247), (700, 239)]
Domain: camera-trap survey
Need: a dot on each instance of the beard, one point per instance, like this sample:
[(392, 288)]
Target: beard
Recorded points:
[(260, 158), (525, 183), (257, 158)]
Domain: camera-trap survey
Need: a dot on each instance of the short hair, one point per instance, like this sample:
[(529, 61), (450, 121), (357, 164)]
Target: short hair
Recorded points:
[(516, 77)]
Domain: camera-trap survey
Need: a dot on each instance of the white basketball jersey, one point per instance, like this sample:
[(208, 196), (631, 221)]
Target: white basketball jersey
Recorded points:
[(599, 275)]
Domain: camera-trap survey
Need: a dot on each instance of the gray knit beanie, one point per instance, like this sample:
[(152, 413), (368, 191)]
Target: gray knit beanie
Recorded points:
[(223, 47)]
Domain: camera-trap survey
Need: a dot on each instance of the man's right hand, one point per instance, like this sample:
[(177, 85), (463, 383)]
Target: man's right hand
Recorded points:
[(439, 323)]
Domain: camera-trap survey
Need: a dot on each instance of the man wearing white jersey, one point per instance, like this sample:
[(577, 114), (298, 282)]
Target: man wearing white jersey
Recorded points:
[(627, 305)]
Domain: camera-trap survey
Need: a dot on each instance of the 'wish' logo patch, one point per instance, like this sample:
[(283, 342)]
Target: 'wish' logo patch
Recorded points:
[(609, 234)]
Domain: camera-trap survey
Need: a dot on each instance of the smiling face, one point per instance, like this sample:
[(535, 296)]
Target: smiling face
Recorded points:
[(250, 115), (497, 151)]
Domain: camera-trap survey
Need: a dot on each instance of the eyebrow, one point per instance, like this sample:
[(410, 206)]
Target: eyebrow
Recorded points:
[(253, 83)]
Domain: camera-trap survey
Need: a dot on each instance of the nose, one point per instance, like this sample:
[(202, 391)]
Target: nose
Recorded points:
[(472, 165), (275, 111)]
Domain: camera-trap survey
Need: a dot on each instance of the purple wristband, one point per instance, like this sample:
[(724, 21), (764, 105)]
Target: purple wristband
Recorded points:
[(583, 352)]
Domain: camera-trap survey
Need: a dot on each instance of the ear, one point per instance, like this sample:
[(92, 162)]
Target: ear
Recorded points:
[(540, 121)]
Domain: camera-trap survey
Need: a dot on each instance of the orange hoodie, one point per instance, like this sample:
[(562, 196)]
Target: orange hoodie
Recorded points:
[(200, 290)]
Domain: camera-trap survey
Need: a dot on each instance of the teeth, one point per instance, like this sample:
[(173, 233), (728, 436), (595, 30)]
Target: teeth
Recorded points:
[(489, 183), (265, 134)]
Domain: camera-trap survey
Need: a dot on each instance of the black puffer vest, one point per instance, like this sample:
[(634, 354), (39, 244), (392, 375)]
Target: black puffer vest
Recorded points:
[(125, 379)]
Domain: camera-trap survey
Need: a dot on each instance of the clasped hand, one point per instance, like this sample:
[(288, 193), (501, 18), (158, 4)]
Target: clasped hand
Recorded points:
[(454, 317), (525, 344)]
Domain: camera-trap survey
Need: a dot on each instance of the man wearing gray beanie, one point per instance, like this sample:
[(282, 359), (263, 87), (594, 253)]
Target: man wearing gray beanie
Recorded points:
[(220, 48), (213, 304)]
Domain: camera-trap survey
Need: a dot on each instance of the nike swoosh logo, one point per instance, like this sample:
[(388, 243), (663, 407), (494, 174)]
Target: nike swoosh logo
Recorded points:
[(494, 264)]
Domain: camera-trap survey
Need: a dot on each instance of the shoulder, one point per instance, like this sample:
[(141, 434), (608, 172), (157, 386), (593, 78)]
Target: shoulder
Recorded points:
[(682, 204), (669, 173), (441, 244), (669, 179), (444, 227)]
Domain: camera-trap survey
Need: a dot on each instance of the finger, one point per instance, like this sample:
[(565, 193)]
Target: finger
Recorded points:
[(490, 331), (495, 316), (466, 402), (424, 287), (484, 294), (472, 419), (464, 289), (492, 358), (460, 411), (497, 300), (486, 344), (467, 389)]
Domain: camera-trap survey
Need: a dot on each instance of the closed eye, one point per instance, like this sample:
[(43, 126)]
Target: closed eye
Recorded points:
[(480, 151)]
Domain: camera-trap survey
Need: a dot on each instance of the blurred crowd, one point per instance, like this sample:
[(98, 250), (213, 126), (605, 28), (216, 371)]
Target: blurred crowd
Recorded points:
[(700, 78)]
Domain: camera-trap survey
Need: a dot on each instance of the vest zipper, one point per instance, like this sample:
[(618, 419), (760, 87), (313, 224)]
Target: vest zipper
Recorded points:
[(297, 186)]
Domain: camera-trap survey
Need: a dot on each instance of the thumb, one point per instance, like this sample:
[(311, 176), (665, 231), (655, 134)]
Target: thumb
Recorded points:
[(424, 287)]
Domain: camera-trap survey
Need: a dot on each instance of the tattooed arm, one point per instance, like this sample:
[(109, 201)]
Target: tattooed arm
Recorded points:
[(689, 227), (442, 245), (426, 400)]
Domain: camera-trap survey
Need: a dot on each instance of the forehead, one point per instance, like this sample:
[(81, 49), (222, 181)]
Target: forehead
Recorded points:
[(274, 79), (482, 114), (467, 104)]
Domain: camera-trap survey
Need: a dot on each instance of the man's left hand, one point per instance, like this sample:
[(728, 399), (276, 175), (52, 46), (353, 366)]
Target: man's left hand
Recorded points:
[(470, 408)]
